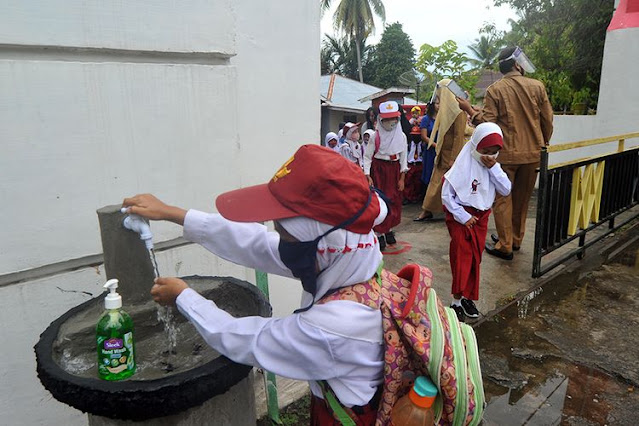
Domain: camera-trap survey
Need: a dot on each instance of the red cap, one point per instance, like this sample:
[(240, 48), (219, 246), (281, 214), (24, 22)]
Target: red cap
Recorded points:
[(491, 139), (348, 126), (316, 182)]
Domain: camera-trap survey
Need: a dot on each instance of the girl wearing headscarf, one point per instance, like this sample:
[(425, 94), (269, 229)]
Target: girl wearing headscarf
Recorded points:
[(352, 149), (468, 193), (386, 166), (368, 137), (324, 212), (448, 131), (332, 141)]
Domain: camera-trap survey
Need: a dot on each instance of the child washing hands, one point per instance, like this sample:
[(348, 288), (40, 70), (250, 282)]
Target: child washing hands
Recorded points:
[(468, 193)]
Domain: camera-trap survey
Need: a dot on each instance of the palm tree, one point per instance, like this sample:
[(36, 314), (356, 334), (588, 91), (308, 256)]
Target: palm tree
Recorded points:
[(354, 18), (338, 55), (485, 50)]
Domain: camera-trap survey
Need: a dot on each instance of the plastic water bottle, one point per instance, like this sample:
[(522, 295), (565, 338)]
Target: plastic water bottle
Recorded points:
[(416, 407)]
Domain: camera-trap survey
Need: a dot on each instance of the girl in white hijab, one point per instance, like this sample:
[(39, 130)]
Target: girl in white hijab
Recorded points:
[(332, 141), (352, 149), (468, 192)]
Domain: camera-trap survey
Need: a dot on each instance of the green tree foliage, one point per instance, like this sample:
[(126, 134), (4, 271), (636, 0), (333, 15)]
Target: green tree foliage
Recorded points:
[(339, 55), (445, 61), (394, 54), (485, 49), (354, 19), (565, 41)]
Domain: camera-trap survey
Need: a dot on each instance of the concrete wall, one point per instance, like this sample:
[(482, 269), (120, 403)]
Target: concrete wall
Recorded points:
[(618, 109), (105, 100)]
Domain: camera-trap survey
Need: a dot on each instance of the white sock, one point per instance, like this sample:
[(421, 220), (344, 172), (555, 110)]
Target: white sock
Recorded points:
[(456, 302)]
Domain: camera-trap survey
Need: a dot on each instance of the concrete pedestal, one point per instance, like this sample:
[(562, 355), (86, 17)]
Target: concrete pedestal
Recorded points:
[(236, 407)]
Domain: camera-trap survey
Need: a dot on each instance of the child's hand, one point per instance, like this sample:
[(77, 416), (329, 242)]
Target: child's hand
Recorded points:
[(400, 184), (370, 180), (148, 206), (488, 160), (471, 222), (167, 289)]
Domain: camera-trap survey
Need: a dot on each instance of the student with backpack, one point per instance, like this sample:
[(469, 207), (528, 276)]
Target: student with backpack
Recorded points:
[(344, 339), (468, 193)]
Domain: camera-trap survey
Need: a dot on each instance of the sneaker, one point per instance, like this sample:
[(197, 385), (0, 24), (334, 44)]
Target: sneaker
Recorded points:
[(469, 308), (390, 238), (459, 311), (382, 242)]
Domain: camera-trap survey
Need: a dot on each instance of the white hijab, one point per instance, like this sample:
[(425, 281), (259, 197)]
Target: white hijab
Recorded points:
[(393, 142), (339, 267), (371, 135), (330, 136), (469, 177)]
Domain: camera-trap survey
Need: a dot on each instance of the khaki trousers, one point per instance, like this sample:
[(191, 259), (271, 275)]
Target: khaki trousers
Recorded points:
[(510, 212)]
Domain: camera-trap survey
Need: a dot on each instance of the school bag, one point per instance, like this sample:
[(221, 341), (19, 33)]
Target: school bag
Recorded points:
[(422, 338)]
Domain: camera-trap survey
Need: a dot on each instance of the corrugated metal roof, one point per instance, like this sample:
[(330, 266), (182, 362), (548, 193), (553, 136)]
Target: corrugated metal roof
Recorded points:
[(346, 92)]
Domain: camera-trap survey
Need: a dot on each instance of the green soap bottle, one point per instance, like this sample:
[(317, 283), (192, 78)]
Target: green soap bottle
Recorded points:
[(114, 335)]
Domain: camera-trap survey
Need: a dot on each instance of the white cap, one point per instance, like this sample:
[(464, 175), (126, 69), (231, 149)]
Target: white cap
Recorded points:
[(389, 109), (112, 300)]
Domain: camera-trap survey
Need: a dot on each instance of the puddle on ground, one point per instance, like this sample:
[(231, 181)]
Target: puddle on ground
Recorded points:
[(567, 355)]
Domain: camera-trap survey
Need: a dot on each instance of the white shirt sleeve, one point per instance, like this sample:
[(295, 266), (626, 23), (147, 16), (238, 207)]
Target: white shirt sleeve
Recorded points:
[(294, 346), (449, 199), (403, 157), (500, 179), (368, 155), (247, 244)]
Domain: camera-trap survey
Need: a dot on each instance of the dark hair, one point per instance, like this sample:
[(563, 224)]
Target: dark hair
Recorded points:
[(403, 121), (506, 66), (430, 109), (375, 111), (341, 125)]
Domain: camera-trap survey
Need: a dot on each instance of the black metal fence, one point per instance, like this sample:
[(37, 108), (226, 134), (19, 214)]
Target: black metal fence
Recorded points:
[(578, 197)]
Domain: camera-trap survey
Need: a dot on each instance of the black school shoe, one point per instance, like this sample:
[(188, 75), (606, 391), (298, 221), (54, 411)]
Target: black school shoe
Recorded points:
[(490, 249), (495, 239), (459, 311), (382, 242), (390, 238), (469, 308)]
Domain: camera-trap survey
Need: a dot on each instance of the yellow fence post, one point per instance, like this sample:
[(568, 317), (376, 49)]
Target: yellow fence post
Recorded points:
[(621, 147)]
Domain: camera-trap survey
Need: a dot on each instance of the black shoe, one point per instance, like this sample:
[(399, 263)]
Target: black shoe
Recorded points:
[(469, 308), (382, 242), (495, 239), (425, 218), (459, 311), (390, 238), (490, 249)]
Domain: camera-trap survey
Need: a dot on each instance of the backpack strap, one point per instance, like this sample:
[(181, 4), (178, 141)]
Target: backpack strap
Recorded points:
[(344, 415)]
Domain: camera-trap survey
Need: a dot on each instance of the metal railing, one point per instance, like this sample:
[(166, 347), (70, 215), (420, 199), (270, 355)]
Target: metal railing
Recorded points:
[(578, 196)]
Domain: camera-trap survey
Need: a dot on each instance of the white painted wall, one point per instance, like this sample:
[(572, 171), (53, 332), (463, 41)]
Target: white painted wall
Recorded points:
[(166, 108)]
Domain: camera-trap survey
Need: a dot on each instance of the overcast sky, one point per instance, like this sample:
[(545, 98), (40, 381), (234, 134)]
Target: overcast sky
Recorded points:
[(435, 21)]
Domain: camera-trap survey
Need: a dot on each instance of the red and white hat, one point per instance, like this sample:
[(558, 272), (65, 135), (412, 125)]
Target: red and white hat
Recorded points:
[(315, 182), (389, 109)]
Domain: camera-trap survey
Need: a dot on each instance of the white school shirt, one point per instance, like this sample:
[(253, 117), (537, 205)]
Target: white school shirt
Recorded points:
[(456, 207), (369, 153), (340, 341)]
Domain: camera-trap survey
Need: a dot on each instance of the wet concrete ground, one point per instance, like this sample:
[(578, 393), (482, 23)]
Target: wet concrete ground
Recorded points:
[(568, 352)]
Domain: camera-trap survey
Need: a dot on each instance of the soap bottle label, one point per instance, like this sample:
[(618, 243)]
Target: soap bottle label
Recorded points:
[(116, 355)]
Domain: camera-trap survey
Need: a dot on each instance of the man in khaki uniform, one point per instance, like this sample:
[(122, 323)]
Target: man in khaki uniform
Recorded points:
[(520, 106)]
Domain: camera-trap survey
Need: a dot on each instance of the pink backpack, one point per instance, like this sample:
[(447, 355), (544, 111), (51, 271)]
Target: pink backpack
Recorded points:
[(422, 337)]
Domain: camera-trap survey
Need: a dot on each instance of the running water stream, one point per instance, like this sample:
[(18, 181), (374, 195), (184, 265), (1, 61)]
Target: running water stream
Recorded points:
[(165, 316)]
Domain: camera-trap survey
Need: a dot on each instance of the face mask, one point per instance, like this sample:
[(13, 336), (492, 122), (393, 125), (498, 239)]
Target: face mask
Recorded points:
[(301, 256), (389, 126)]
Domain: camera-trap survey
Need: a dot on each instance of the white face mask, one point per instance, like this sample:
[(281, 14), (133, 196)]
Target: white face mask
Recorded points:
[(389, 126), (477, 155)]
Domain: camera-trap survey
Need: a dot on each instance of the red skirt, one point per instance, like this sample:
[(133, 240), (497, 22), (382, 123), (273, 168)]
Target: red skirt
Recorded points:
[(321, 415), (385, 175), (413, 183), (466, 248)]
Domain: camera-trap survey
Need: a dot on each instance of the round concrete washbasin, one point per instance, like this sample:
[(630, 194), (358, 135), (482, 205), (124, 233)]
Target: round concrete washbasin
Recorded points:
[(167, 381)]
